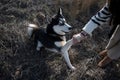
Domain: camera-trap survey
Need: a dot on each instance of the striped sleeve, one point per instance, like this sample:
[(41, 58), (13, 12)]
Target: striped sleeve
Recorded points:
[(100, 18)]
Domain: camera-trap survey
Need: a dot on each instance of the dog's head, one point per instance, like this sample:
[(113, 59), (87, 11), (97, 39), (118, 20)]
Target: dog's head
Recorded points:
[(58, 25)]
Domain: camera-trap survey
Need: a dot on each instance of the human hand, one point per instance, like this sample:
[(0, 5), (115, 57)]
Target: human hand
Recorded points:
[(78, 37)]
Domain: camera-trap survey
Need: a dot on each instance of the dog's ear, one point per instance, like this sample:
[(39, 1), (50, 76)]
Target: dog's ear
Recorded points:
[(59, 11), (58, 15)]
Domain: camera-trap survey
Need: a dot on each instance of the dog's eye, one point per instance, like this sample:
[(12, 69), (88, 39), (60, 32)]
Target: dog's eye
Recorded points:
[(61, 23)]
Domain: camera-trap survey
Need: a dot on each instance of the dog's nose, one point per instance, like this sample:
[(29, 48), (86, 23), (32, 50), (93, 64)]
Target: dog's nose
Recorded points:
[(70, 28)]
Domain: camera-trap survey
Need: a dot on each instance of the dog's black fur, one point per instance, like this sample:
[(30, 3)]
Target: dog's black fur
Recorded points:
[(47, 38)]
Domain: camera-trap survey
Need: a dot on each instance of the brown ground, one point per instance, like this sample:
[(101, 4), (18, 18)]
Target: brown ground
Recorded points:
[(20, 61)]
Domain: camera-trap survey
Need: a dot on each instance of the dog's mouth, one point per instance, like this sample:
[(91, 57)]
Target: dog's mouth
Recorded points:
[(65, 31)]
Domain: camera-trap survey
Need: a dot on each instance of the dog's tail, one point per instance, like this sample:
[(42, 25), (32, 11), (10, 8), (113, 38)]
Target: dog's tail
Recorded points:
[(31, 29)]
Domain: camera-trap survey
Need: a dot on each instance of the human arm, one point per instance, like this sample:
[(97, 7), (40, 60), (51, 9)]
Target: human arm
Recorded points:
[(100, 18)]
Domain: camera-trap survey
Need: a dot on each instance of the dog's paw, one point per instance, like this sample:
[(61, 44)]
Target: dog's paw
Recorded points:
[(38, 49), (73, 68)]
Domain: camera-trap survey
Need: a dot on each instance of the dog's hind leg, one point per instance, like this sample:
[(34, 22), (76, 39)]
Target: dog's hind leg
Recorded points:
[(39, 45)]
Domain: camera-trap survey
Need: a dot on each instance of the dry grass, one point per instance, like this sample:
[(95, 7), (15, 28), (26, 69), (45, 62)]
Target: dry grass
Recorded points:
[(20, 61)]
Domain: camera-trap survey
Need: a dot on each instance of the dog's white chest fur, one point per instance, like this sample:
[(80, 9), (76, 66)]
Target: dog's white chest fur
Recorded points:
[(60, 43)]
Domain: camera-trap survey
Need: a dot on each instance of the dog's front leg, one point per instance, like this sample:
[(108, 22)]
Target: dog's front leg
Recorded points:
[(65, 54), (66, 57), (68, 44)]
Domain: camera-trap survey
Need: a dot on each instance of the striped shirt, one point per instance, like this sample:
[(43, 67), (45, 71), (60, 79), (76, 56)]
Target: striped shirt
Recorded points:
[(100, 18)]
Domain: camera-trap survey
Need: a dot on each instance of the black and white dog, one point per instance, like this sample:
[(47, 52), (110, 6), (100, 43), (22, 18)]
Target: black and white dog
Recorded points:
[(53, 37)]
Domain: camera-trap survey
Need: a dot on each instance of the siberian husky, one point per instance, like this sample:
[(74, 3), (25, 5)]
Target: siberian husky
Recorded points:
[(53, 36)]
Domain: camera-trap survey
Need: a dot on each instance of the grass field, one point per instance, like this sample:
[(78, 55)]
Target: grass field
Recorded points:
[(20, 61)]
